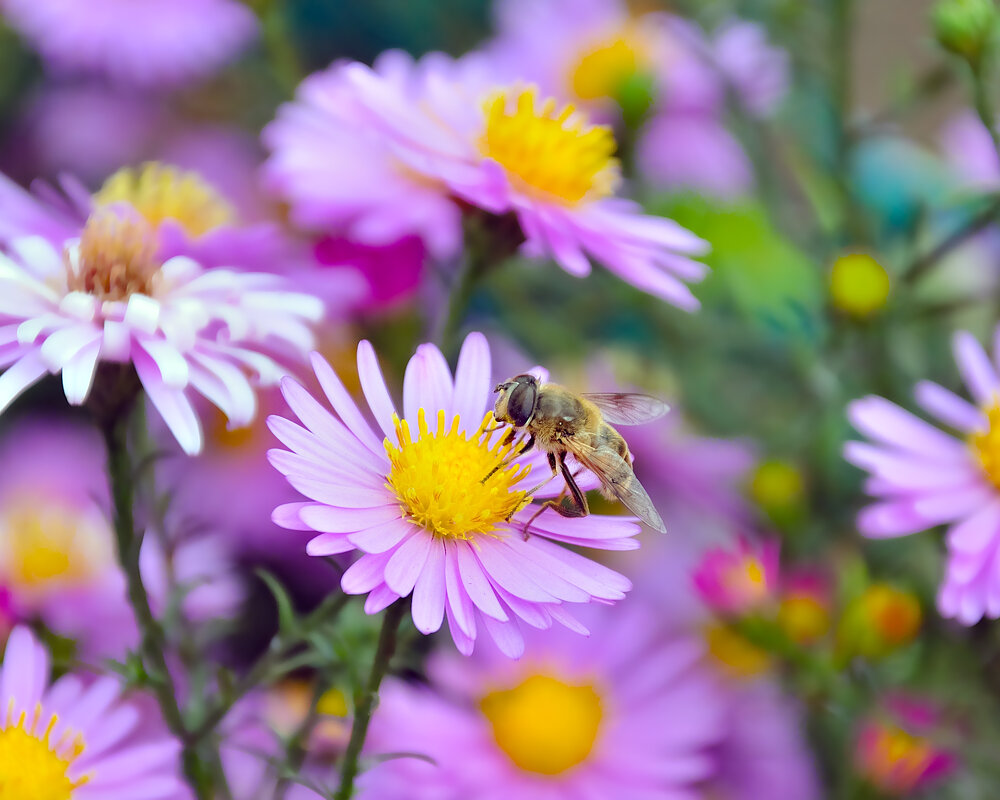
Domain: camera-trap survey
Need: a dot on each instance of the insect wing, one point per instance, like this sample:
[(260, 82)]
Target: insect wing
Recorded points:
[(617, 476), (623, 408)]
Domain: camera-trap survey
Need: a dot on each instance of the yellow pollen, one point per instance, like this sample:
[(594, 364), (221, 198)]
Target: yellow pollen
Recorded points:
[(604, 67), (438, 478), (117, 257), (548, 151), (34, 766), (986, 446), (899, 759), (159, 192), (543, 724)]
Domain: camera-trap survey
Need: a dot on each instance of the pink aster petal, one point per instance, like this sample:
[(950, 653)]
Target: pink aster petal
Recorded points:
[(974, 534), (472, 381), (429, 592), (949, 407), (886, 422), (427, 385), (24, 672), (345, 407), (373, 385), (407, 561), (976, 369)]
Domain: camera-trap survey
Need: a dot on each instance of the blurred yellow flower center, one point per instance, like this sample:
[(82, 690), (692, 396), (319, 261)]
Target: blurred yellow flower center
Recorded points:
[(602, 68), (438, 478), (803, 617), (543, 724), (735, 654), (777, 485), (986, 446), (859, 285), (899, 759), (895, 614), (32, 765), (549, 151), (41, 544), (117, 257), (159, 193)]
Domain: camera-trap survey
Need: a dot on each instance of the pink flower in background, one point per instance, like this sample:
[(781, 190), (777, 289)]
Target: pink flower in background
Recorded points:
[(155, 43), (741, 579), (923, 477), (969, 149), (412, 499), (342, 177), (109, 298), (466, 135), (896, 751), (625, 713), (751, 65), (392, 272), (76, 739)]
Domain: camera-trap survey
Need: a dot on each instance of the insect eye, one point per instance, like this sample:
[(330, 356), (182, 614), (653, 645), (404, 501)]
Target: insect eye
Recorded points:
[(521, 403)]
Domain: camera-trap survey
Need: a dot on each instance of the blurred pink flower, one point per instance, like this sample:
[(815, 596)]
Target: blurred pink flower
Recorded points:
[(465, 134), (695, 152), (896, 751), (392, 272), (751, 65), (155, 43), (77, 738), (739, 580), (923, 477), (412, 500), (624, 713), (968, 148)]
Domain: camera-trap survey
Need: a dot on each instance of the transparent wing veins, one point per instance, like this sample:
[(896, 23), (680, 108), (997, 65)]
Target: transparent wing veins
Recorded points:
[(625, 408)]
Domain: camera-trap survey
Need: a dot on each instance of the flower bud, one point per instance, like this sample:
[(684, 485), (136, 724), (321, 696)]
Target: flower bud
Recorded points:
[(965, 27), (859, 285), (778, 487), (738, 581), (804, 613), (879, 621)]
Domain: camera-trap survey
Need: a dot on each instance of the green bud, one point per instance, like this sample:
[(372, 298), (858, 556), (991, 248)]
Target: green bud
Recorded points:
[(965, 27)]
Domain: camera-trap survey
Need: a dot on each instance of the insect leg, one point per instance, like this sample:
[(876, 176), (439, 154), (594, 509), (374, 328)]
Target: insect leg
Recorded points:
[(517, 453), (555, 471), (578, 508)]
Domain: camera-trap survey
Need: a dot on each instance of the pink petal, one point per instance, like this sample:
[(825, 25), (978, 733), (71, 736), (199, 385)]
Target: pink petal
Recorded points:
[(347, 520), (374, 388), (427, 384), (886, 422), (329, 544), (973, 534), (382, 537), (429, 592), (975, 367), (472, 381), (345, 407), (407, 561), (475, 582), (949, 407)]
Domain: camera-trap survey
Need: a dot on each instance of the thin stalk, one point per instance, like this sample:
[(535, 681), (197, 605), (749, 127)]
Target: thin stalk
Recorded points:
[(922, 264), (297, 746), (152, 637), (364, 704)]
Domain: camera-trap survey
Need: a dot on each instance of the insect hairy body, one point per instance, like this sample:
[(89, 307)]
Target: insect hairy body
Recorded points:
[(560, 422)]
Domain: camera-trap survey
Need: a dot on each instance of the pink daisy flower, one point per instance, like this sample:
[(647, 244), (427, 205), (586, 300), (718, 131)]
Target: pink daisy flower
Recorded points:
[(454, 131), (412, 499), (76, 739), (155, 43), (923, 477), (738, 580), (109, 297), (624, 714)]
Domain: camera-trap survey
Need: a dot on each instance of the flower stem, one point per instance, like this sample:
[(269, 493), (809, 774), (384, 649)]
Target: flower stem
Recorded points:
[(152, 637), (365, 703)]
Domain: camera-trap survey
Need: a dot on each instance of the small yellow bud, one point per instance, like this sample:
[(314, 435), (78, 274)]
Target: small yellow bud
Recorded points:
[(777, 486), (882, 619), (859, 285), (736, 656), (804, 618)]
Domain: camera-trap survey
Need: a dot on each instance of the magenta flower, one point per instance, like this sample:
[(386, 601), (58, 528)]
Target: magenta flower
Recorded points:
[(923, 477), (740, 580), (108, 297), (155, 43), (76, 739), (623, 714), (412, 499), (452, 131)]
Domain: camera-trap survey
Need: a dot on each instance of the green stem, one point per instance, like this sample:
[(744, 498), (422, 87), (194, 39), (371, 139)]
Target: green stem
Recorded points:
[(922, 264), (152, 637), (364, 704), (297, 746), (984, 105)]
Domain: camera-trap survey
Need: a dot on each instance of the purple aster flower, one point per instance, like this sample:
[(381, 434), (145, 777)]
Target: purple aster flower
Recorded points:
[(508, 149), (413, 500), (756, 70), (923, 477), (738, 580), (110, 297), (340, 177), (969, 149), (155, 43), (76, 739), (624, 714)]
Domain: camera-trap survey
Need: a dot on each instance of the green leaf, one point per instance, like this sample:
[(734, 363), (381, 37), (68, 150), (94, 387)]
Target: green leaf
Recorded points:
[(287, 620)]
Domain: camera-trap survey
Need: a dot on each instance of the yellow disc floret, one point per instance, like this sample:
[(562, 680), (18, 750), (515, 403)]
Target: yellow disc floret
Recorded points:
[(159, 192), (117, 256), (604, 67), (543, 724), (34, 766), (549, 151), (859, 285), (439, 478), (986, 445)]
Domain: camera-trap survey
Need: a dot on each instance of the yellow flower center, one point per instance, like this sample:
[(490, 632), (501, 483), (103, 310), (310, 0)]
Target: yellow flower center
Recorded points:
[(32, 765), (899, 759), (895, 614), (735, 654), (777, 485), (804, 618), (986, 446), (438, 478), (605, 66), (543, 724), (159, 193), (549, 151), (117, 257), (42, 544)]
